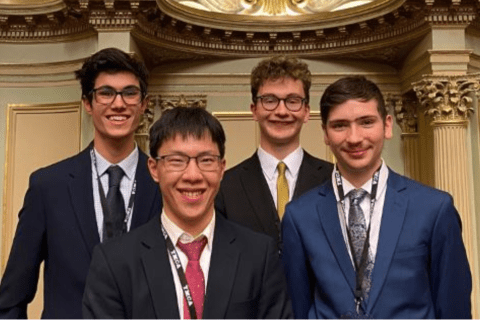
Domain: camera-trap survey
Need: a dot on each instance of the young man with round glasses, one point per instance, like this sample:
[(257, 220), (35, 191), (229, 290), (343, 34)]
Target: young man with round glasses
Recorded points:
[(187, 262), (253, 193), (73, 205)]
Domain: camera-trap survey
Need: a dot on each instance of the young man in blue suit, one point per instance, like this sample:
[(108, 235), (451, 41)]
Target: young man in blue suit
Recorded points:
[(280, 104), (188, 262), (74, 204), (369, 242)]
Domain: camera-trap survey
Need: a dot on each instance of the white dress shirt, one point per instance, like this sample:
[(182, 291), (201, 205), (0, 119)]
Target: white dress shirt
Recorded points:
[(376, 217), (129, 166), (269, 167), (176, 234)]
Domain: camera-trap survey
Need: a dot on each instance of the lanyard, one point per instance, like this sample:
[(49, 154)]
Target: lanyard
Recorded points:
[(103, 200), (181, 274), (360, 268)]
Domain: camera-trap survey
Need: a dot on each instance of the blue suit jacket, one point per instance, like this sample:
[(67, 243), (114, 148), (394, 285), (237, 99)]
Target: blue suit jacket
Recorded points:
[(57, 225), (421, 269)]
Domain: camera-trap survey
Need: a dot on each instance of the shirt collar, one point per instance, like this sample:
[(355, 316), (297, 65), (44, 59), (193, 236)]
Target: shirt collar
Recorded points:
[(367, 186), (269, 163), (176, 233), (128, 165)]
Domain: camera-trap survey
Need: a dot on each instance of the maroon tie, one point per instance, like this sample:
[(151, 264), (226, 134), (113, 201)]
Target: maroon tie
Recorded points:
[(194, 275)]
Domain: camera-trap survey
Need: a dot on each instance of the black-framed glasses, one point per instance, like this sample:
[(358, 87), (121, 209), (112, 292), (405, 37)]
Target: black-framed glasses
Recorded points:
[(271, 102), (106, 95), (179, 162)]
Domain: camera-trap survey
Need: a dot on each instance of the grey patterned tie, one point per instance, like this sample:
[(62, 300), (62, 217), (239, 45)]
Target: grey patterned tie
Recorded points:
[(358, 233)]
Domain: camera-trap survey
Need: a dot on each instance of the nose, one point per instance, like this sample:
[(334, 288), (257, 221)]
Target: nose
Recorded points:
[(354, 135), (192, 173), (118, 101), (281, 109)]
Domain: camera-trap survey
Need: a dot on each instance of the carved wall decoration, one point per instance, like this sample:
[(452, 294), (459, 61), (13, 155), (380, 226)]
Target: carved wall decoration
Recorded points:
[(447, 98), (172, 101), (405, 111), (146, 121)]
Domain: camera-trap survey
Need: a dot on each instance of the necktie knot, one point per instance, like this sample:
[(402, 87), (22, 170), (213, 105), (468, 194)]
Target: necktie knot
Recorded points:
[(357, 195), (115, 175), (194, 249), (281, 167)]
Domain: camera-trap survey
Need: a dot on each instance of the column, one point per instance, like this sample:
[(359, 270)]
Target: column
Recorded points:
[(447, 101), (405, 111)]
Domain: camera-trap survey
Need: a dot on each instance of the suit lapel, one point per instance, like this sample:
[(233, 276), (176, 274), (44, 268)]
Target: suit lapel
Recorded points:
[(394, 211), (223, 266), (259, 195), (81, 195), (158, 272), (328, 213), (308, 176), (145, 193)]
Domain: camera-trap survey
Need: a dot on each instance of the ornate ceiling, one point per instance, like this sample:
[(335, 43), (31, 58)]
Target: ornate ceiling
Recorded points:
[(166, 30)]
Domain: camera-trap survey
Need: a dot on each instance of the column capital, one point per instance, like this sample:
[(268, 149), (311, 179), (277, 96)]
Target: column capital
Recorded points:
[(447, 98), (405, 110)]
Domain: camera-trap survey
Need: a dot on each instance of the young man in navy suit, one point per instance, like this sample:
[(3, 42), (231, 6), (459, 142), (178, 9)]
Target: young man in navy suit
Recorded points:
[(74, 204), (188, 262), (369, 242), (280, 104)]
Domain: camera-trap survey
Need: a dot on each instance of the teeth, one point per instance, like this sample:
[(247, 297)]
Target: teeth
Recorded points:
[(192, 194), (117, 118)]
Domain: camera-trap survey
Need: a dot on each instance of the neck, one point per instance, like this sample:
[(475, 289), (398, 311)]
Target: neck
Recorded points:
[(279, 151), (114, 151), (193, 227)]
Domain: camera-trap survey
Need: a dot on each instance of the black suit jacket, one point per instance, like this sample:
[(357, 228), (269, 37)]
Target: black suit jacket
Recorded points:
[(244, 196), (131, 277), (57, 225)]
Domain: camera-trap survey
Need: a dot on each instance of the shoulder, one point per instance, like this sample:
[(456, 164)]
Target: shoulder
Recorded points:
[(307, 157), (236, 170), (245, 237), (415, 189)]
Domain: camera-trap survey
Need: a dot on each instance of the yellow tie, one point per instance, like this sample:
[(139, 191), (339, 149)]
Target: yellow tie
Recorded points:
[(282, 189)]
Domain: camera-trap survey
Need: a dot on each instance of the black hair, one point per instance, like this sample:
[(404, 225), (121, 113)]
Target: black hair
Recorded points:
[(186, 121)]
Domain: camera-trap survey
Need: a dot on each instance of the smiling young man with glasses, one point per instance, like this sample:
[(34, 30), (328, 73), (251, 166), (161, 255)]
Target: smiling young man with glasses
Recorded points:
[(188, 253), (98, 194), (254, 193)]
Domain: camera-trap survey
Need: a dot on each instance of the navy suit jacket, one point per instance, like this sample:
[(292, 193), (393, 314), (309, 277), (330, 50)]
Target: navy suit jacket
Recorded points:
[(131, 277), (421, 269), (245, 197), (57, 225)]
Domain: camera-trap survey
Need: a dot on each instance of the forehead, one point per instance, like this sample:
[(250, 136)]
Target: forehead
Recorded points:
[(119, 79), (283, 85), (189, 144), (353, 109)]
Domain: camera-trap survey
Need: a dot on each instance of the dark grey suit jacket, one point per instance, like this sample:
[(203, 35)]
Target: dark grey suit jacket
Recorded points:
[(244, 196), (131, 277), (58, 226)]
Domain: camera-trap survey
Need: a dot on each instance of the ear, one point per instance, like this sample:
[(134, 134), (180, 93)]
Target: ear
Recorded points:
[(307, 113), (152, 167), (388, 127), (145, 103), (88, 106), (223, 166), (325, 135), (253, 109)]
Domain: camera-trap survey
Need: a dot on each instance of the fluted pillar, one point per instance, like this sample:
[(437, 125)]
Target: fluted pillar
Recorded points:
[(405, 110), (447, 101)]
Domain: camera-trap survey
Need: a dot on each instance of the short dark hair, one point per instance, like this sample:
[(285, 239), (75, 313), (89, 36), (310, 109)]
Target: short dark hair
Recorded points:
[(110, 60), (186, 121), (280, 67), (351, 88)]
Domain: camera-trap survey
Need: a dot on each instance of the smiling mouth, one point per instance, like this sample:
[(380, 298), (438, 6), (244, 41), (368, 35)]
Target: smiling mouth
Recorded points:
[(117, 118), (191, 195)]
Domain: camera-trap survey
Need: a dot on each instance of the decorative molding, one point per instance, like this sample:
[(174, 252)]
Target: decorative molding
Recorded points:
[(146, 121), (405, 111), (166, 102), (447, 98)]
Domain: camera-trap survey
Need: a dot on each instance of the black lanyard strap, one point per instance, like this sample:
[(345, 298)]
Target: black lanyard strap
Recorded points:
[(181, 274), (360, 268), (103, 199)]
